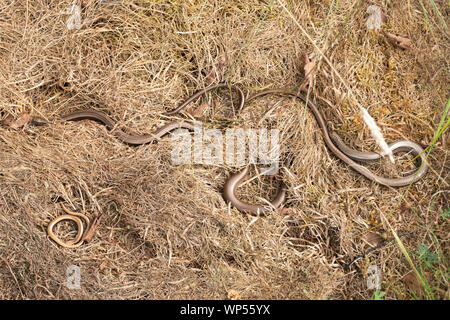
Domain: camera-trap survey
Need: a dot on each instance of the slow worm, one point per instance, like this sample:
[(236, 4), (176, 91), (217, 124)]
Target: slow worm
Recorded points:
[(339, 149), (73, 216), (207, 89), (333, 142), (229, 194), (145, 138), (122, 136)]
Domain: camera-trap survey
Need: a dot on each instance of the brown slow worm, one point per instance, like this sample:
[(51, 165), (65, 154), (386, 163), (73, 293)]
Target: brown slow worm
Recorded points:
[(397, 146), (339, 149), (73, 216), (207, 89), (229, 194), (145, 138), (122, 136)]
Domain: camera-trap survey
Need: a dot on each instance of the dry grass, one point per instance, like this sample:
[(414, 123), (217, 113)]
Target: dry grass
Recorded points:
[(166, 232)]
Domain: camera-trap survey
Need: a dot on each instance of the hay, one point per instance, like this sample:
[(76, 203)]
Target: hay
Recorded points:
[(166, 231)]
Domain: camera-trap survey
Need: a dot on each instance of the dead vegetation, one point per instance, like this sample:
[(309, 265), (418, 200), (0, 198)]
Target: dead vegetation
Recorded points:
[(166, 232)]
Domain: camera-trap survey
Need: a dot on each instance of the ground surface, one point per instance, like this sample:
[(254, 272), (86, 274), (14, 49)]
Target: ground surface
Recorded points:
[(166, 231)]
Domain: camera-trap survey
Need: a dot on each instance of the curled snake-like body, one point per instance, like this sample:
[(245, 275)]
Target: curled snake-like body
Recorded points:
[(339, 149), (110, 124), (233, 183)]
